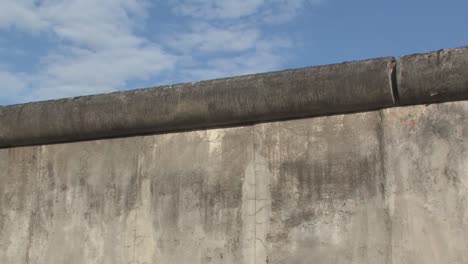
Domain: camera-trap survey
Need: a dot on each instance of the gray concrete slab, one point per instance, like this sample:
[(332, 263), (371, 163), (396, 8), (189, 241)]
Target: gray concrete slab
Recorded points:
[(18, 172), (320, 191), (426, 164), (173, 198), (85, 197), (198, 197)]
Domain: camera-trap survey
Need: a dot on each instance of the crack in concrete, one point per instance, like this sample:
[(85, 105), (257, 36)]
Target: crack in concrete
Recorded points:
[(383, 182)]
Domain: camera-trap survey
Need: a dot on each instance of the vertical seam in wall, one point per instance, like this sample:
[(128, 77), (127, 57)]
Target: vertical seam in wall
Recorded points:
[(255, 194), (137, 197), (383, 184), (37, 151)]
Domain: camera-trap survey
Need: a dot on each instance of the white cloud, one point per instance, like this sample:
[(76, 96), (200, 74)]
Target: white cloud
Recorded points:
[(208, 38), (94, 24), (233, 33), (265, 56), (99, 50), (100, 45), (266, 11), (214, 9), (282, 11), (20, 14), (86, 72), (241, 65)]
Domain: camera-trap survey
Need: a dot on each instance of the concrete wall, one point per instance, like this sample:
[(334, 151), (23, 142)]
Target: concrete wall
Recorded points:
[(90, 180), (387, 186)]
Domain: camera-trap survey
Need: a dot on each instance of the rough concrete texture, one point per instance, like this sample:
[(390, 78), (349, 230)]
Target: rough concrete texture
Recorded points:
[(386, 186), (196, 201), (322, 199), (175, 198), (18, 191), (329, 89), (426, 165), (437, 76)]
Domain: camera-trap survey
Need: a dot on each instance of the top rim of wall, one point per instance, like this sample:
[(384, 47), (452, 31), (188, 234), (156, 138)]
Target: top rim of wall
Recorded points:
[(356, 86)]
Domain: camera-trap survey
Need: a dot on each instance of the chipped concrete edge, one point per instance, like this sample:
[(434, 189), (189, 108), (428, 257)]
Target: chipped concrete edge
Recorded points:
[(356, 86)]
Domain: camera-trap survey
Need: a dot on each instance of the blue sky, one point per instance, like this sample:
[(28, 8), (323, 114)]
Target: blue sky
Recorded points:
[(59, 48)]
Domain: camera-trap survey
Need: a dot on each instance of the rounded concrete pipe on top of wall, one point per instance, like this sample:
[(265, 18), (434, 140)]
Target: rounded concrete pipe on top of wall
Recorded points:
[(330, 89), (432, 77)]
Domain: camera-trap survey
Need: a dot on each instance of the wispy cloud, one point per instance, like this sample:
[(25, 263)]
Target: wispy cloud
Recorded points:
[(206, 37), (262, 57), (212, 9), (268, 11), (99, 50), (21, 14), (235, 33), (82, 71), (103, 45)]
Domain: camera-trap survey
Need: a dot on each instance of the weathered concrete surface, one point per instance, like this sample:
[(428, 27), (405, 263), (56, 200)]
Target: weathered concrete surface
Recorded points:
[(377, 187), (322, 191), (338, 88), (175, 198), (18, 188), (197, 197), (426, 165), (81, 200), (437, 76)]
